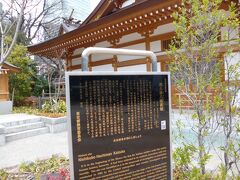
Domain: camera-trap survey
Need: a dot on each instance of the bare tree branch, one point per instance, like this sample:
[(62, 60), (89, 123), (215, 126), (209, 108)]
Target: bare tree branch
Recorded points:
[(5, 55), (29, 21)]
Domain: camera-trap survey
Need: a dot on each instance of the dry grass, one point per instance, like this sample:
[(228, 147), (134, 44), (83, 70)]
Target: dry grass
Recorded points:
[(35, 111)]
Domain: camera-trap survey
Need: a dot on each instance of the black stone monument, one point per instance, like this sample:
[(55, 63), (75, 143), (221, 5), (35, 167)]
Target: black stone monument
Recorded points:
[(119, 126)]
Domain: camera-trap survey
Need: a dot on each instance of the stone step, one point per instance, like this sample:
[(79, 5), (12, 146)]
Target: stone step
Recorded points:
[(22, 121), (23, 127), (27, 133)]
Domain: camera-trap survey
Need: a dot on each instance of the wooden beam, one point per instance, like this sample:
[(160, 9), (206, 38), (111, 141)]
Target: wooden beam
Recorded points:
[(118, 64), (162, 58), (164, 36), (74, 67), (102, 62), (131, 62)]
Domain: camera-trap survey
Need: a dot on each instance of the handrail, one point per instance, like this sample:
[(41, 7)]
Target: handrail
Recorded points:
[(114, 51)]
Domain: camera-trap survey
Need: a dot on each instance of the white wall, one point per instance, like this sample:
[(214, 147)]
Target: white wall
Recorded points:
[(234, 59), (234, 33), (231, 60), (98, 57), (134, 47), (103, 44), (238, 99), (130, 37), (76, 61), (164, 29), (155, 46), (107, 67), (78, 51), (137, 68)]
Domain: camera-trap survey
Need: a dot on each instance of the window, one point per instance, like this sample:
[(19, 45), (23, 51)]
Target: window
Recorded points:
[(166, 44)]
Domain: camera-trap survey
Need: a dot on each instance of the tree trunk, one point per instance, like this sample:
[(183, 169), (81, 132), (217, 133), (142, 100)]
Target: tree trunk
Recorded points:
[(13, 91), (201, 151)]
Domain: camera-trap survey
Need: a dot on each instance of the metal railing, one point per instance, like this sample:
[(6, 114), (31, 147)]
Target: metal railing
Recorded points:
[(113, 51)]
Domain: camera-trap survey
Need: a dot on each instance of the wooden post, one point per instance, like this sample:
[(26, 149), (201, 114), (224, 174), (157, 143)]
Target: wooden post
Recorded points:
[(147, 46), (69, 60), (90, 63), (66, 64), (115, 61), (115, 58), (221, 59), (162, 66), (7, 85)]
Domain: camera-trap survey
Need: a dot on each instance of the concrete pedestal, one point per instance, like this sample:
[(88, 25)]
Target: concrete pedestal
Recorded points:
[(2, 136), (55, 125), (6, 107)]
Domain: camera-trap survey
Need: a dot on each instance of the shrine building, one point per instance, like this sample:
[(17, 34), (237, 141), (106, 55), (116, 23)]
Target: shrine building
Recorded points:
[(128, 24), (5, 102)]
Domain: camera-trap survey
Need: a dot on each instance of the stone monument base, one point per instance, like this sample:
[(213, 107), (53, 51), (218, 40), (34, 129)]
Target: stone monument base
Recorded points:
[(6, 107)]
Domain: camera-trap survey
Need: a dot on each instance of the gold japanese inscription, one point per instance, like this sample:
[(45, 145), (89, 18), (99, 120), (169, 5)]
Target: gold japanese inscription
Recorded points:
[(79, 138), (118, 124), (121, 167)]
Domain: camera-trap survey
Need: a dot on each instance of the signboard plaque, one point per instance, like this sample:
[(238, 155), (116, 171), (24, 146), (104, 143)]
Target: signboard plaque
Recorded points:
[(119, 126)]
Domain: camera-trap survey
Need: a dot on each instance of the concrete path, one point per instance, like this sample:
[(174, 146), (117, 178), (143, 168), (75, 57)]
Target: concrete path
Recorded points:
[(32, 148), (8, 118)]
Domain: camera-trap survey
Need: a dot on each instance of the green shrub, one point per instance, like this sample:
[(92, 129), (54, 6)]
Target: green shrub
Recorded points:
[(3, 174), (41, 83), (40, 167), (21, 83), (54, 106), (184, 167), (25, 109), (62, 108), (39, 112)]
